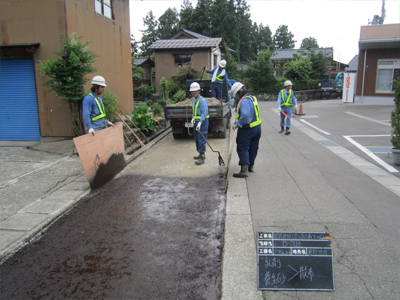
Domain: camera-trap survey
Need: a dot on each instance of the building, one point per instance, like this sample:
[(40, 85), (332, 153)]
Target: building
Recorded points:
[(186, 48), (281, 56), (353, 65), (30, 32), (146, 64), (378, 64)]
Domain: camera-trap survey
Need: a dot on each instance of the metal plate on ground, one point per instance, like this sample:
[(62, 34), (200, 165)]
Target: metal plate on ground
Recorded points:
[(295, 261)]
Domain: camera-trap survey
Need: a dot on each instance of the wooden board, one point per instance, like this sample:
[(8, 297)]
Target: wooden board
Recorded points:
[(102, 155)]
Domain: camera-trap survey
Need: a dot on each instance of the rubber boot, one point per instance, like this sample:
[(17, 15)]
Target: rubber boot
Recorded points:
[(251, 168), (201, 160), (287, 131), (199, 156), (282, 130), (243, 172)]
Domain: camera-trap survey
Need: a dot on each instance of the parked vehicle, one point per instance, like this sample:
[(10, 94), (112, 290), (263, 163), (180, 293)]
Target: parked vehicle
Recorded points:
[(180, 114), (331, 86)]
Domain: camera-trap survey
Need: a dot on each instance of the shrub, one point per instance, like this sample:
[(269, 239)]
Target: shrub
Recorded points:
[(157, 110), (142, 120), (139, 109), (143, 91), (395, 117), (109, 102), (179, 96)]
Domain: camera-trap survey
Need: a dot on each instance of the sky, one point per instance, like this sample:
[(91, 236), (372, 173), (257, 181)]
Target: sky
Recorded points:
[(333, 23)]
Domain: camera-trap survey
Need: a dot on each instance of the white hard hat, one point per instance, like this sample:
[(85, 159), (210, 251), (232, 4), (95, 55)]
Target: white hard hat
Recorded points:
[(222, 63), (99, 80), (194, 87), (236, 87), (288, 82)]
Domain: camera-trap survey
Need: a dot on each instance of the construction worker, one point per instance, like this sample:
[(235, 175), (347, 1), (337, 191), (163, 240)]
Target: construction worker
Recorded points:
[(92, 107), (219, 77), (286, 99), (200, 122), (248, 122)]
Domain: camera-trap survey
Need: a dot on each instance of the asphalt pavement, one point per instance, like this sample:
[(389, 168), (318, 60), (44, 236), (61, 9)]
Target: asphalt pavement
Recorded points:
[(331, 174)]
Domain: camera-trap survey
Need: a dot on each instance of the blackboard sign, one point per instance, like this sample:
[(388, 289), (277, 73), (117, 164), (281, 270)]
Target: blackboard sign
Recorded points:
[(295, 261)]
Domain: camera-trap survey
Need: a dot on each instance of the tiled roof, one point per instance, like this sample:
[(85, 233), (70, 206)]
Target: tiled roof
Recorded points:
[(140, 60), (282, 54), (189, 33), (186, 43)]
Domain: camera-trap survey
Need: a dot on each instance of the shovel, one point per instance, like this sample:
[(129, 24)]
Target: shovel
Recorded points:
[(220, 160)]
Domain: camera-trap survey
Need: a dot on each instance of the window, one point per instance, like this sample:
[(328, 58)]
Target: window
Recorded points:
[(388, 70), (182, 59), (104, 8)]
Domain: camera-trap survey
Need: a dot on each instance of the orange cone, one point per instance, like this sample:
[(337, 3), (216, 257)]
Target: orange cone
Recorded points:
[(300, 113)]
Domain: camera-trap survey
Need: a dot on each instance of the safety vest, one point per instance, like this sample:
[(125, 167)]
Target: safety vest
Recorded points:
[(256, 112), (102, 114), (195, 109), (287, 100), (220, 77)]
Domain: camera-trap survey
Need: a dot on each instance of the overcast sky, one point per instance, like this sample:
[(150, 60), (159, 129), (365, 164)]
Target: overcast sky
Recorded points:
[(334, 23)]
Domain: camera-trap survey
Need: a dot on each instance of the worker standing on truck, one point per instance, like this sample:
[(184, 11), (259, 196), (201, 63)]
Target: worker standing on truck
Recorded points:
[(92, 107), (248, 122), (219, 77), (200, 122), (286, 99)]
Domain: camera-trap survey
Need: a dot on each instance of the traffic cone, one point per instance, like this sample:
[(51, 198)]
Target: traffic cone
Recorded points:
[(300, 113)]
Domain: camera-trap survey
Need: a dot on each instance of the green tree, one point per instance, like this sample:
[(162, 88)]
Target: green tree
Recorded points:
[(186, 15), (283, 38), (319, 64), (134, 46), (67, 75), (263, 37), (202, 17), (231, 65), (168, 23), (261, 74), (309, 42), (150, 34), (299, 69), (136, 71)]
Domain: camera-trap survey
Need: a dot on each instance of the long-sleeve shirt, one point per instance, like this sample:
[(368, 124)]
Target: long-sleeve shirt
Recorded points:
[(202, 109), (246, 112), (91, 110), (292, 100), (226, 79)]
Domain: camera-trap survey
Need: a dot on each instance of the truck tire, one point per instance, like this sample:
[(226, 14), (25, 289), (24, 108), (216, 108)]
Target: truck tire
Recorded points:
[(222, 134)]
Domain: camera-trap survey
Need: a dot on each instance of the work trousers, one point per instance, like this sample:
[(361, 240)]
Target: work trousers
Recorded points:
[(200, 141), (289, 111), (247, 141), (216, 90)]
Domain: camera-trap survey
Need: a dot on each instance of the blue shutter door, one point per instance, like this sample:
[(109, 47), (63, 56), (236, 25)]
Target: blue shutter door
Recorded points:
[(19, 119)]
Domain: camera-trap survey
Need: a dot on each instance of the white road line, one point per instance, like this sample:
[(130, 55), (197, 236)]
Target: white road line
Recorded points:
[(369, 119), (370, 154), (315, 127)]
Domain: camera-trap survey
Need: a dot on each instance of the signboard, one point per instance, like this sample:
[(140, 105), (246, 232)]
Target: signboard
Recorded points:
[(349, 86), (295, 261)]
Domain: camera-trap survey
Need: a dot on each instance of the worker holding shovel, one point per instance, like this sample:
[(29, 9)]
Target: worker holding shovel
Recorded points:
[(248, 123), (200, 122), (286, 99)]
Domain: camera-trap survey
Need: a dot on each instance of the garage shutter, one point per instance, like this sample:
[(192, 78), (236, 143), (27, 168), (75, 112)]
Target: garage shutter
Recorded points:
[(18, 104)]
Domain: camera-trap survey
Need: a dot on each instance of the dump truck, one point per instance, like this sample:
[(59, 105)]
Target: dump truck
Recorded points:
[(180, 114)]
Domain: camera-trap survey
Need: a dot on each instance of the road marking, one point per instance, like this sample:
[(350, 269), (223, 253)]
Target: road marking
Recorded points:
[(315, 127), (369, 119), (369, 152)]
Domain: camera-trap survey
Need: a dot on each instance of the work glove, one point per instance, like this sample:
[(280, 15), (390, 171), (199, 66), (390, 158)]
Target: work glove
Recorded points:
[(110, 124), (198, 126), (192, 121), (91, 130), (279, 109), (295, 106)]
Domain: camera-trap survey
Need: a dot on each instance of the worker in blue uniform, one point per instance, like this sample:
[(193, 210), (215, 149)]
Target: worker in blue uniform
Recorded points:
[(248, 123), (218, 79), (286, 100), (200, 122), (92, 107)]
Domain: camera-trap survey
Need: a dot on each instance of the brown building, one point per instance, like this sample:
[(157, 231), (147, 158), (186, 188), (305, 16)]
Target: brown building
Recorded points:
[(146, 64), (183, 48), (29, 32), (378, 63)]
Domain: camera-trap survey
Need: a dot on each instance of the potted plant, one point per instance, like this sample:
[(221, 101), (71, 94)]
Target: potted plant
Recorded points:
[(395, 121)]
